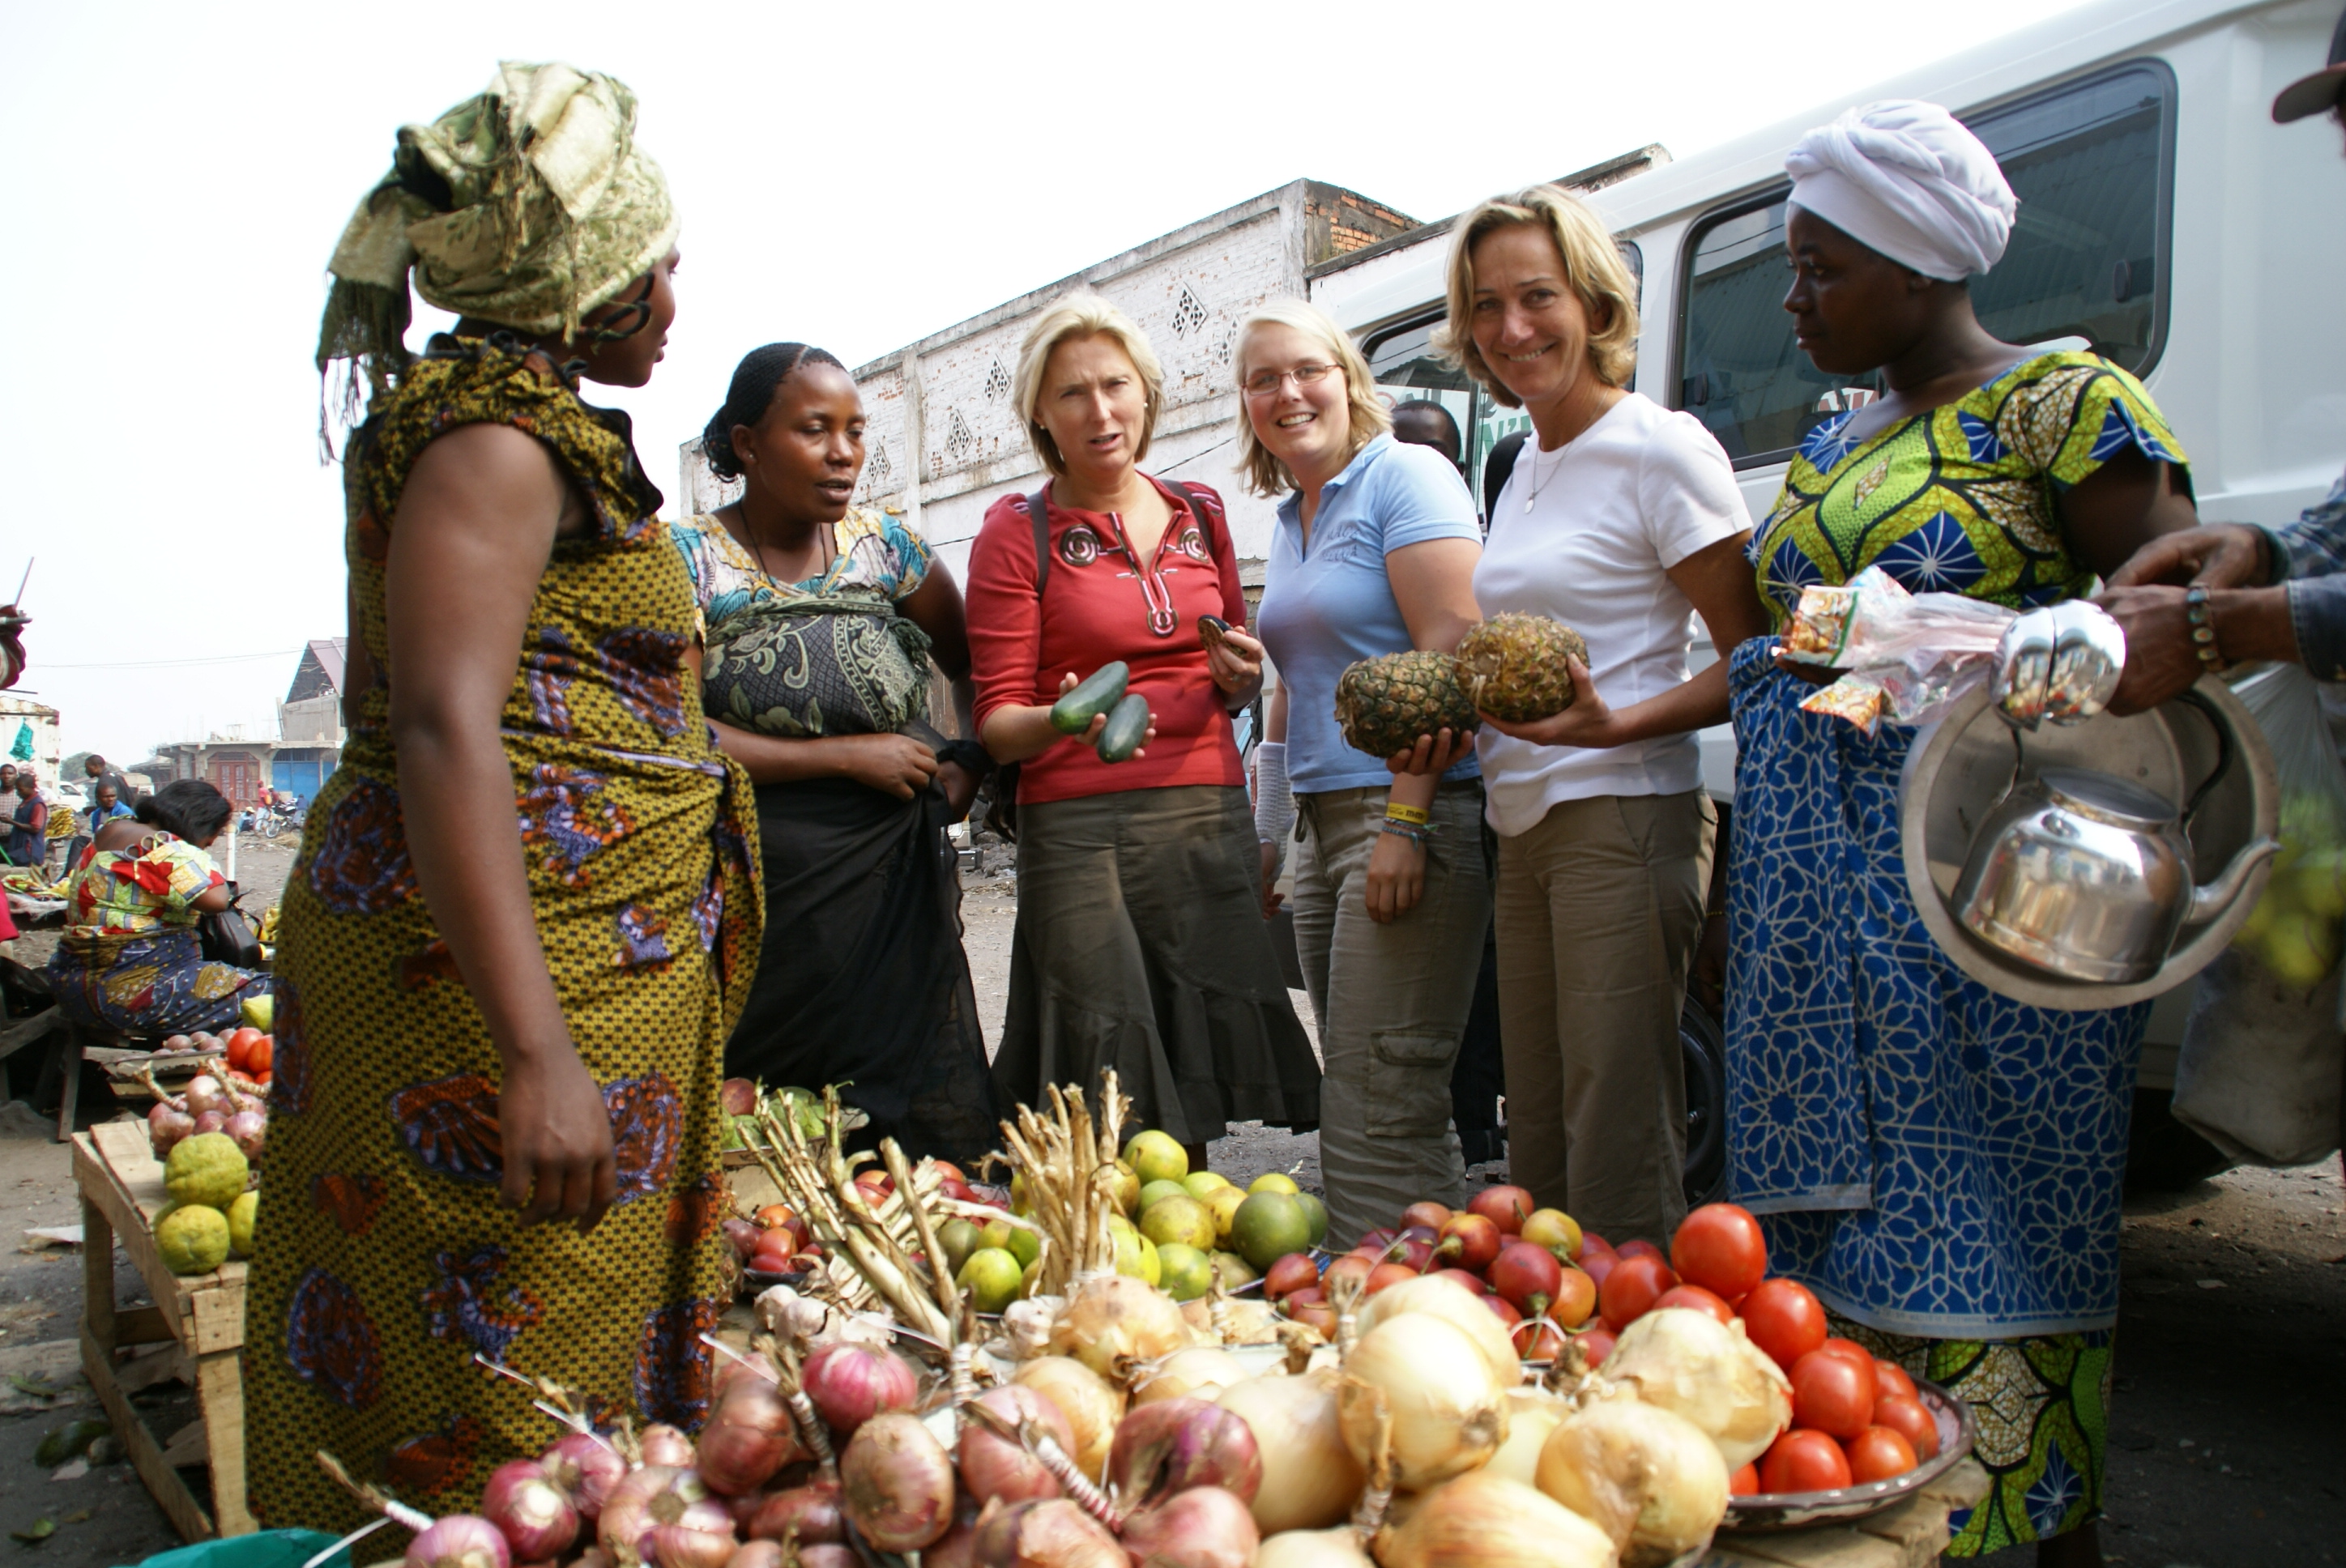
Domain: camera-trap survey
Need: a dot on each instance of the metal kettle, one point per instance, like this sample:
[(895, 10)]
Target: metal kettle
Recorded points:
[(2087, 876)]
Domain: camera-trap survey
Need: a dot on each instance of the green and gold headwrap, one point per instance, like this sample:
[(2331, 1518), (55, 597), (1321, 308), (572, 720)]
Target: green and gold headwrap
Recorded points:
[(528, 206)]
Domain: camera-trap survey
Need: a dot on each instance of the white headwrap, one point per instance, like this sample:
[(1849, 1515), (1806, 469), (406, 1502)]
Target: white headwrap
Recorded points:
[(1907, 180)]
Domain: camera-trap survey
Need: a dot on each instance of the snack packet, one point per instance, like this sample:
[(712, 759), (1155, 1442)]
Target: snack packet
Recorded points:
[(1907, 656)]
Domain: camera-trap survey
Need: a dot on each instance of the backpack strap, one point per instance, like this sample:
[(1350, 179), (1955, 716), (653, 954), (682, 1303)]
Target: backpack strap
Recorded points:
[(1216, 540), (1038, 510)]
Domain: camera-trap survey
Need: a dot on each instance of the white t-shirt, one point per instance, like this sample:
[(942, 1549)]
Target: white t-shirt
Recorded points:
[(1633, 495)]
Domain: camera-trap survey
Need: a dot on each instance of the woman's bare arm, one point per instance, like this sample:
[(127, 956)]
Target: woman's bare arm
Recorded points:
[(474, 528)]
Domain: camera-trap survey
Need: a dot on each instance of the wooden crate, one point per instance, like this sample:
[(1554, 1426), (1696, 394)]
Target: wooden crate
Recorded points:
[(121, 1185), (1907, 1536)]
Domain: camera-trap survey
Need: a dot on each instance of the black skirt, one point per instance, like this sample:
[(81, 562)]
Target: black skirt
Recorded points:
[(863, 980)]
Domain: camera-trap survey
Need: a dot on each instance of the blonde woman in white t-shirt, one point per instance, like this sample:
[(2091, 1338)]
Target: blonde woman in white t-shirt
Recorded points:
[(1621, 520)]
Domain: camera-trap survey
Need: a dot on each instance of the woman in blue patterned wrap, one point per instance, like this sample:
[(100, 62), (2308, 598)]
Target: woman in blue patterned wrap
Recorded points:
[(1940, 1164)]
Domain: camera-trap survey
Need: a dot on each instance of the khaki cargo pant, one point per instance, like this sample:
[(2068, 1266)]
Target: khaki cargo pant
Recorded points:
[(1392, 1000), (1599, 909)]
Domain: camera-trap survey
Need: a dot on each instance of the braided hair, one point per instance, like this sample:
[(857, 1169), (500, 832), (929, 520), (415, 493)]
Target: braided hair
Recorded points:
[(755, 379)]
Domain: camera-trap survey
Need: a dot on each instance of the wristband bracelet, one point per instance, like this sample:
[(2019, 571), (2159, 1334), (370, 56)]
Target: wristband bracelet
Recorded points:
[(1409, 814), (2201, 620), (1417, 836)]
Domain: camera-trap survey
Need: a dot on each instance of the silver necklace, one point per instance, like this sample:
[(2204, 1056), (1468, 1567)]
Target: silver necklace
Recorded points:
[(1533, 499)]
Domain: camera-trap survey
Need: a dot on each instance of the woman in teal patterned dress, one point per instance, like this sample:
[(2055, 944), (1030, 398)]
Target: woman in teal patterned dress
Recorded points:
[(1940, 1164)]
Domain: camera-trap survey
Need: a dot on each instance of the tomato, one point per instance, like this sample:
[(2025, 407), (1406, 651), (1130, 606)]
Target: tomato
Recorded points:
[(260, 1055), (1553, 1229), (1386, 1275), (1575, 1298), (1294, 1272), (1320, 1315), (1832, 1393), (1850, 1348), (1471, 1283), (1784, 1318), (1893, 1379), (1598, 1264), (1538, 1339), (1719, 1247), (263, 1080), (1642, 1248), (1591, 1241), (1744, 1482), (1695, 1298), (1470, 1241), (949, 1170), (1877, 1454), (1416, 1256), (1374, 1241), (1351, 1266), (1503, 1311), (1633, 1287), (1597, 1343), (1802, 1460), (773, 1215), (1432, 1216), (1522, 1272), (1504, 1206), (1310, 1296), (1904, 1414), (237, 1042)]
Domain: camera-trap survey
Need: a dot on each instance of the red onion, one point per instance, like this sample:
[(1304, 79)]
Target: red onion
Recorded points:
[(204, 1093), (538, 1520), (756, 1555), (1053, 1533), (210, 1121), (852, 1383), (586, 1468), (250, 1129), (828, 1555), (679, 1546), (743, 1236), (663, 1444), (898, 1482), (993, 1467), (459, 1541), (1177, 1444), (1204, 1527), (813, 1509), (751, 1437), (166, 1126), (956, 1548), (652, 1495)]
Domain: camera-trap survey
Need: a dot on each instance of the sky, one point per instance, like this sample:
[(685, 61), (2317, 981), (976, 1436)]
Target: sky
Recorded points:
[(853, 177)]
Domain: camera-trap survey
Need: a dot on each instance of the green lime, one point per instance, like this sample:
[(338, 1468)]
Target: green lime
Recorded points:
[(959, 1237), (1274, 1181), (1201, 1182), (1268, 1226), (1156, 1192), (1234, 1270), (992, 1278), (1180, 1220), (995, 1233), (1155, 1156), (1188, 1273), (1317, 1212)]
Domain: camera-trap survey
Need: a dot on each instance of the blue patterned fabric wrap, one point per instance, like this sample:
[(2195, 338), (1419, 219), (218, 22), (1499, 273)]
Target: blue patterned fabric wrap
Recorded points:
[(1929, 1157)]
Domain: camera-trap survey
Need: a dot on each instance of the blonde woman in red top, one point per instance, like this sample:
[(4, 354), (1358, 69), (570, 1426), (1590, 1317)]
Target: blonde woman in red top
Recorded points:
[(1140, 942)]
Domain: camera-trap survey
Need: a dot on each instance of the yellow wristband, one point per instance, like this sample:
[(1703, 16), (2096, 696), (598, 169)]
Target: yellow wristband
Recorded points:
[(1409, 814)]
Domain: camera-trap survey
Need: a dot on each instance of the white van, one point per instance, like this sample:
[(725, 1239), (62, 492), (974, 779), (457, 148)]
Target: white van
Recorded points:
[(2165, 221)]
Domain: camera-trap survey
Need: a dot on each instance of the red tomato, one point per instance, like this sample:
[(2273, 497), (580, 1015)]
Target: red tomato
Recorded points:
[(1504, 1206), (1522, 1272), (1719, 1247), (1503, 1311), (1575, 1298), (1893, 1379), (1416, 1256), (1597, 1343), (261, 1055), (1784, 1318), (949, 1171), (774, 1216), (1470, 1241), (1589, 1238), (1385, 1275), (1642, 1248), (1744, 1482), (1471, 1283), (1538, 1339), (1351, 1266), (1633, 1287), (1802, 1460), (1374, 1241), (1320, 1315), (1877, 1454), (263, 1080), (238, 1042), (1598, 1264), (1289, 1274), (1695, 1298), (1432, 1216), (1904, 1414), (1841, 1346), (1310, 1296), (1832, 1393)]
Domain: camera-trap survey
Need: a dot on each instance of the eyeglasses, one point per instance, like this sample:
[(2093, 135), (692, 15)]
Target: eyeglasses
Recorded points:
[(1264, 383)]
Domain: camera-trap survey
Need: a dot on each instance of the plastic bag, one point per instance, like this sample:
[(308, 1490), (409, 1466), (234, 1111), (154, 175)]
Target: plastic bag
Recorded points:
[(1908, 656), (2262, 1058), (263, 1549)]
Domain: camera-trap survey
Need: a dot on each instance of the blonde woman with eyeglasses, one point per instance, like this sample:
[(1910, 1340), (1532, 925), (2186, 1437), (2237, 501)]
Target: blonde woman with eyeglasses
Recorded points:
[(1374, 553)]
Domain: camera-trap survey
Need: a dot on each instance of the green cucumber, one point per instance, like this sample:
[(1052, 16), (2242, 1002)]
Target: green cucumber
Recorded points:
[(1127, 727), (1094, 695)]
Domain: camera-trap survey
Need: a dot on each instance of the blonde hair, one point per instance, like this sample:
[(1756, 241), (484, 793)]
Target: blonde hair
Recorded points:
[(1265, 473), (1082, 315), (1593, 268)]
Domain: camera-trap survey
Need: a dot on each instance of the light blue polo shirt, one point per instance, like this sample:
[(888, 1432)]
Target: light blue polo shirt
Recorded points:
[(1331, 606)]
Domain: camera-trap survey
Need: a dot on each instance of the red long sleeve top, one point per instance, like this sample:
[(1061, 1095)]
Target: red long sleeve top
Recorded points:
[(1096, 610)]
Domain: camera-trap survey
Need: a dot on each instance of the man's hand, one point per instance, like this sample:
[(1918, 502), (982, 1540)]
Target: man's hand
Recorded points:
[(557, 1138), (1396, 877), (2216, 556), (895, 765), (2161, 662)]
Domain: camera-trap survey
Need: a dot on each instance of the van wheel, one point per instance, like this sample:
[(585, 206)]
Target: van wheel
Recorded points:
[(1702, 1044), (2162, 1154)]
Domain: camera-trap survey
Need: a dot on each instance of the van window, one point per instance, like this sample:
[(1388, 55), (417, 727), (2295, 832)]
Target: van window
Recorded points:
[(2091, 164)]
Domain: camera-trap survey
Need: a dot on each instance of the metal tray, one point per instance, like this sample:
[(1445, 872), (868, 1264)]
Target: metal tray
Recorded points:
[(1961, 766), (1798, 1510)]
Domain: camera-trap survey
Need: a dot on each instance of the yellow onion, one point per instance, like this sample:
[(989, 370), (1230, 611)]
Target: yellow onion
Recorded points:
[(1692, 1365), (1651, 1479), (1457, 1306), (1449, 1408), (1310, 1478), (1091, 1404), (1485, 1521), (1531, 1416), (1051, 1534), (1202, 1372), (1115, 1321), (1338, 1548)]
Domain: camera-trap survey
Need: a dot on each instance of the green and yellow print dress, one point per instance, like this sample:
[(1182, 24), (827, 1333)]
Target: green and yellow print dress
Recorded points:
[(384, 1263), (1940, 1164)]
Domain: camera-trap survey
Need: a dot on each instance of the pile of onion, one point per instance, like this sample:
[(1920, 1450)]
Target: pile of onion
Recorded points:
[(1455, 1305), (1201, 1371), (749, 1438), (534, 1515), (1651, 1480), (1448, 1404), (660, 1513), (1203, 1527), (1053, 1532), (1690, 1364), (1114, 1322), (992, 1466), (1487, 1520), (1310, 1478), (1532, 1414), (1090, 1403), (1178, 1445), (850, 1383), (898, 1482)]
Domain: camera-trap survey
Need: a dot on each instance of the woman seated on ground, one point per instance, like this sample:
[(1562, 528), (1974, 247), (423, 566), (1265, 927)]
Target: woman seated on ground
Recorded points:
[(132, 961), (822, 619)]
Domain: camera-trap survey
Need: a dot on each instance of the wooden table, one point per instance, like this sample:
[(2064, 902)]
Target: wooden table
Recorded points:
[(121, 1185), (1910, 1535)]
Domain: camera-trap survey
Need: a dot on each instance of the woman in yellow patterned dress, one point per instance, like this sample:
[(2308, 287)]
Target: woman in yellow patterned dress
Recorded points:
[(491, 1043), (1940, 1164)]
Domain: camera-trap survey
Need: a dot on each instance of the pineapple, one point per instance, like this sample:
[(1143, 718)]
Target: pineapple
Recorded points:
[(1512, 667), (1384, 704)]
